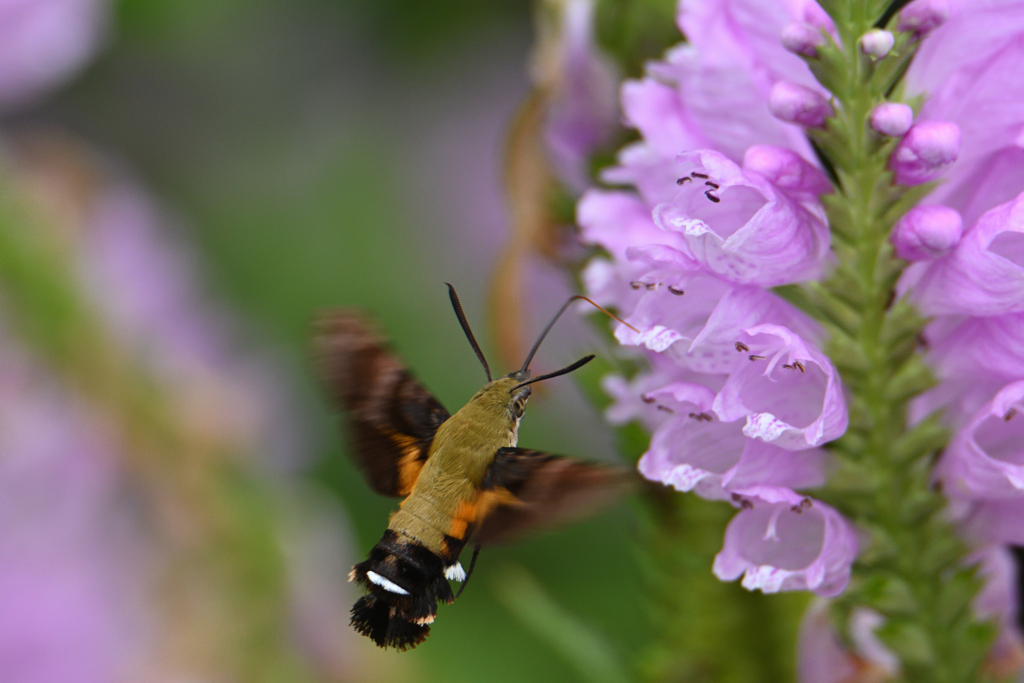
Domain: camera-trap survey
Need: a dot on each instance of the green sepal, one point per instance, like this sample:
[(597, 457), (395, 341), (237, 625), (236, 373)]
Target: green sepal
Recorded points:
[(829, 65), (834, 9), (839, 219), (832, 309), (844, 286), (955, 595), (908, 640), (889, 594), (880, 548), (889, 71), (912, 379), (902, 321), (918, 506), (924, 438), (893, 210), (848, 356), (876, 9), (942, 552), (851, 478)]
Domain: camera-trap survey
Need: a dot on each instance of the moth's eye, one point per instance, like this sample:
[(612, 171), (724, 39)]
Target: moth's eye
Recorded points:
[(518, 408)]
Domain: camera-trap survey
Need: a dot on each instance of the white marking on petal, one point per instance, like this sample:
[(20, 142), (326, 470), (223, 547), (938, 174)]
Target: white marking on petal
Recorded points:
[(658, 338), (764, 426), (684, 477), (455, 572), (693, 227), (769, 534), (765, 578), (386, 584)]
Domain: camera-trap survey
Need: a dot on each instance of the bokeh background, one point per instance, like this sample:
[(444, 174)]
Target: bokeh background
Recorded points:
[(176, 204)]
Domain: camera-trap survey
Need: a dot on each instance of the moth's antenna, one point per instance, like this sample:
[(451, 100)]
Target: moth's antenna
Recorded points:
[(465, 328), (536, 345), (564, 371)]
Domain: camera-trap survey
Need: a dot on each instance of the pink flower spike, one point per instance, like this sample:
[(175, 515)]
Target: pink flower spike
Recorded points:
[(788, 391), (925, 152), (787, 542), (802, 39), (923, 16), (794, 103), (984, 274), (986, 458), (892, 119), (876, 43), (926, 232), (740, 227)]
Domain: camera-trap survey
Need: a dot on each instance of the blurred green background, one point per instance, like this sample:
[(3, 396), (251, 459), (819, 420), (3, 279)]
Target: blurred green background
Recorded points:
[(347, 153)]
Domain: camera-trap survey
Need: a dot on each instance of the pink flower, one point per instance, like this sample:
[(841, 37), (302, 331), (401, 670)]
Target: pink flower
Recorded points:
[(715, 458), (739, 226), (784, 541), (788, 392), (986, 458), (984, 274)]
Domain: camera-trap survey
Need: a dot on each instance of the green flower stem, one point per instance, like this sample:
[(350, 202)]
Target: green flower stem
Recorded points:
[(911, 569), (701, 629)]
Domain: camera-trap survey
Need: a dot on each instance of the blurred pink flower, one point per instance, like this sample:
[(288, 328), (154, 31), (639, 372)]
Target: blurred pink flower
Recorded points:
[(93, 528), (583, 112), (43, 42), (69, 585)]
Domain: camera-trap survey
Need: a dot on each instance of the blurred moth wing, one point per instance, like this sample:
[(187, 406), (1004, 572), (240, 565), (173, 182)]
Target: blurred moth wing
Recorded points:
[(528, 490), (391, 418)]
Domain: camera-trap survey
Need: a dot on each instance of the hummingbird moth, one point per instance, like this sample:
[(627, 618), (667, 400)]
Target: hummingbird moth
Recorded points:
[(462, 477)]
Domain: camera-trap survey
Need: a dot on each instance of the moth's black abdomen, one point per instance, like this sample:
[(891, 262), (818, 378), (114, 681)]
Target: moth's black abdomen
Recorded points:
[(405, 581), (373, 618)]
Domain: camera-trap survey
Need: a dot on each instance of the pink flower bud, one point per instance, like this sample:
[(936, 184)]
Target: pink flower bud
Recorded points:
[(892, 119), (925, 152), (877, 43), (923, 16), (801, 39), (926, 232), (794, 103)]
